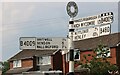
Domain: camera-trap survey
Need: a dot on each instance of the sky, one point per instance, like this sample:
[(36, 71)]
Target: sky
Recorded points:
[(43, 19)]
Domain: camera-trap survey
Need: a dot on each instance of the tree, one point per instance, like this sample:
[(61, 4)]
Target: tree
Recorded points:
[(5, 67), (99, 65)]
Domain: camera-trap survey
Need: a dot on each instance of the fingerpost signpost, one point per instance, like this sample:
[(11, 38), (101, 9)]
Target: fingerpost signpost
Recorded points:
[(72, 11), (85, 28)]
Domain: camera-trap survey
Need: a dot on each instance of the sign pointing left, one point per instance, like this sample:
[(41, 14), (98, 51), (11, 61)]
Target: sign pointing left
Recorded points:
[(41, 43)]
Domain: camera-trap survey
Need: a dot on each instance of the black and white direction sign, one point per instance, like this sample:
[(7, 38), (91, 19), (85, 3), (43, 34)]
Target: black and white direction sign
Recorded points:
[(101, 19), (91, 32), (41, 43), (86, 33), (105, 30), (105, 18), (51, 43), (27, 42)]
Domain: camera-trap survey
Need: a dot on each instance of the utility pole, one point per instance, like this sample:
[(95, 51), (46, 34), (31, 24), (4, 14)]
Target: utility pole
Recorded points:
[(72, 11)]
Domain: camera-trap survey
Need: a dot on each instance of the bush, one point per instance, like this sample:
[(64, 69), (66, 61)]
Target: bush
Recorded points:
[(5, 67), (99, 64)]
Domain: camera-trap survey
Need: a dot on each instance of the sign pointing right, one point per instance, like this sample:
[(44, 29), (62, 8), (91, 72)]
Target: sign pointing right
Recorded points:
[(91, 32), (101, 19)]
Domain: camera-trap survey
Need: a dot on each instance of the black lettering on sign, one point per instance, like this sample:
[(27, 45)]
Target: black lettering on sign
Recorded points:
[(27, 43), (43, 43), (44, 39), (76, 25), (30, 43), (83, 36), (83, 31), (51, 46), (107, 19), (104, 29), (33, 43), (21, 43), (111, 18), (39, 47)]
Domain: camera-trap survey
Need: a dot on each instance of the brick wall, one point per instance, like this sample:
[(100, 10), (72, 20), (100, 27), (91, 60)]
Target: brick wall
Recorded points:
[(24, 63), (112, 59), (118, 57), (56, 61), (27, 63), (83, 53)]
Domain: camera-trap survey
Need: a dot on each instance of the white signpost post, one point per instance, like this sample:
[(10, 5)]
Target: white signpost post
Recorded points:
[(42, 43), (72, 14)]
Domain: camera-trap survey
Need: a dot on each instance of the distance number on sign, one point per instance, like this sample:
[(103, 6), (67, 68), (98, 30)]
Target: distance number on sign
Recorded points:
[(105, 30)]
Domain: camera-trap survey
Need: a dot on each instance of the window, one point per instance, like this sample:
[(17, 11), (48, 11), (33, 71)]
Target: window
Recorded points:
[(109, 54), (45, 60), (105, 52), (16, 63), (76, 55)]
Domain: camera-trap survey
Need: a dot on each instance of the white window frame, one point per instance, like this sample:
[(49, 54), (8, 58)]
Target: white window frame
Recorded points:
[(68, 56), (108, 55), (74, 55), (42, 61), (17, 63)]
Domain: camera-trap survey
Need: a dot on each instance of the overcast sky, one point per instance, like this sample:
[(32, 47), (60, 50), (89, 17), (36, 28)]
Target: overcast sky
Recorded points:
[(43, 19)]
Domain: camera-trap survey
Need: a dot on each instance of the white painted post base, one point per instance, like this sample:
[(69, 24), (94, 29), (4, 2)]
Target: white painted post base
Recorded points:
[(71, 66)]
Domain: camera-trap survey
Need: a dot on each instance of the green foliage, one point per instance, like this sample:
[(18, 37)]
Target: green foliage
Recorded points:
[(5, 67), (99, 64)]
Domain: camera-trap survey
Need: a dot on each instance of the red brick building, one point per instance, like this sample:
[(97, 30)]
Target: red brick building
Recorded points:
[(88, 45), (35, 60)]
